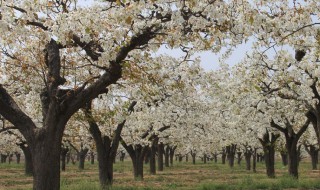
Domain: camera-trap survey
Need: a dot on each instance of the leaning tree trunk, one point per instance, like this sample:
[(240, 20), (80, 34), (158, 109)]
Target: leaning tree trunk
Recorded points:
[(269, 152)]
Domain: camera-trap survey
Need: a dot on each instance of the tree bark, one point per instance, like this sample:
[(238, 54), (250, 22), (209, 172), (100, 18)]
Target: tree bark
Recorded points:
[(82, 157), (160, 156), (223, 156), (153, 150), (254, 160), (239, 157), (313, 152), (28, 165), (166, 156), (231, 151), (18, 156), (204, 158), (172, 150), (92, 157), (64, 151), (193, 155), (284, 157), (269, 151), (247, 155)]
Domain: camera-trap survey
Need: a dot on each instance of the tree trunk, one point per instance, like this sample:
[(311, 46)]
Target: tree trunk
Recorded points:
[(215, 157), (293, 157), (269, 152), (64, 151), (166, 156), (172, 149), (187, 157), (193, 155), (313, 152), (4, 158), (239, 157), (223, 156), (82, 157), (204, 158), (27, 160), (153, 150), (18, 156), (46, 162), (231, 151), (284, 157), (254, 160), (247, 156), (160, 156), (92, 158)]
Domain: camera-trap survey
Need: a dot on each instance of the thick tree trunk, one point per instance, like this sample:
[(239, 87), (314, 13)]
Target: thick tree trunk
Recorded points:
[(166, 156), (160, 156), (204, 158), (46, 163)]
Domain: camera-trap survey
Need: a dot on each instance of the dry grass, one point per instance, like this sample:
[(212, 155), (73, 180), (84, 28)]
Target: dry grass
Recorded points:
[(181, 176)]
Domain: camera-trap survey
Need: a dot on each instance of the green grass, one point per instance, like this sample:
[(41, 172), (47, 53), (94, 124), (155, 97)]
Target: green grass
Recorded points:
[(182, 176)]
